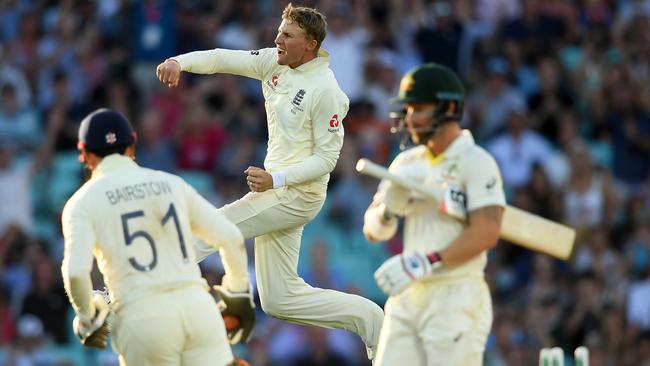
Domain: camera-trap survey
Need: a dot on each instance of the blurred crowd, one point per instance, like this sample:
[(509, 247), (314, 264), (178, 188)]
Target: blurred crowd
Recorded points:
[(557, 90)]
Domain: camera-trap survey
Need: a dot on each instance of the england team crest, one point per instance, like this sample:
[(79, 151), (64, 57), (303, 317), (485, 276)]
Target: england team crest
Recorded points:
[(110, 138)]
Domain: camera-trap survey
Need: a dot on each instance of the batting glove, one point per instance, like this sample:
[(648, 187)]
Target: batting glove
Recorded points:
[(399, 271), (240, 305), (397, 199), (93, 332)]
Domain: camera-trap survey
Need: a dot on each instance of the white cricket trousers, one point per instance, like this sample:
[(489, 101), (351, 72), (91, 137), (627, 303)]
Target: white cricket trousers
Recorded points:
[(276, 218), (171, 328), (437, 323)]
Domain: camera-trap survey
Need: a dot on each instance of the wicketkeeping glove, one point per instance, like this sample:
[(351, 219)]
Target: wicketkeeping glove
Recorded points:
[(240, 305), (93, 332), (399, 271)]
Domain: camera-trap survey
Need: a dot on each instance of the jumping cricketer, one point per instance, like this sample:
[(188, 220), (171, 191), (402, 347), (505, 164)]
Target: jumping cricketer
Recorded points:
[(439, 309), (305, 109)]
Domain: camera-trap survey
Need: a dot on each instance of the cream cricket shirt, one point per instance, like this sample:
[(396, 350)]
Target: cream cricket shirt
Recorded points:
[(138, 223), (463, 164), (304, 108)]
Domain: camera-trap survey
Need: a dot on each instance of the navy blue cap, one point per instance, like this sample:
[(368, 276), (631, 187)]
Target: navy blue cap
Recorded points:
[(105, 128)]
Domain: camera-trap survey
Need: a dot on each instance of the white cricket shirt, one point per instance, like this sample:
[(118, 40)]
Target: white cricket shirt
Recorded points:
[(463, 164), (138, 223), (304, 109)]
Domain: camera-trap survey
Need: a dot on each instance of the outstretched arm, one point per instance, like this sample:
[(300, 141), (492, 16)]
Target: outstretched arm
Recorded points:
[(252, 64)]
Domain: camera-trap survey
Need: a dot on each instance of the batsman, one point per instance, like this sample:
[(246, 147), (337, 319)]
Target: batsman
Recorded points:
[(439, 310)]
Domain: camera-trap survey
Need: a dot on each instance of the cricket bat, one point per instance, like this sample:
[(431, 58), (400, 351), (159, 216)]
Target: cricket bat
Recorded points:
[(518, 226)]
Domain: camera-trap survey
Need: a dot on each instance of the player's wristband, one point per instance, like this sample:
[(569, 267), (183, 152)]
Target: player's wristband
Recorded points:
[(434, 257), (279, 179)]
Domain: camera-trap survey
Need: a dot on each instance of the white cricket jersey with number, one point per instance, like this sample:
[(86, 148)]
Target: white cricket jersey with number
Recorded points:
[(138, 223), (464, 165), (304, 107)]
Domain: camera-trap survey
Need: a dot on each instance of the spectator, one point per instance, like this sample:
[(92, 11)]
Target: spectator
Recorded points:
[(629, 126), (31, 345), (18, 124), (492, 104), (638, 303), (518, 149), (200, 139), (154, 150), (152, 24), (440, 42), (7, 322), (589, 196), (345, 41), (12, 75), (15, 178), (47, 300)]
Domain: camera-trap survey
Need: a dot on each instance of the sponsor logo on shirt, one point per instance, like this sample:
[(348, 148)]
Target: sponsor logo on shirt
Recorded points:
[(255, 53), (450, 173), (297, 99), (334, 123), (491, 183), (273, 82), (458, 196)]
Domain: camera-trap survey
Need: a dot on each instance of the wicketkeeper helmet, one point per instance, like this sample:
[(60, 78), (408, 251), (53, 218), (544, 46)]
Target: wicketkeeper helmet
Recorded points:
[(105, 128)]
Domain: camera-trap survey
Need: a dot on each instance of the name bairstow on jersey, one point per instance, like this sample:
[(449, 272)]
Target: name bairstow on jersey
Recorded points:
[(137, 192)]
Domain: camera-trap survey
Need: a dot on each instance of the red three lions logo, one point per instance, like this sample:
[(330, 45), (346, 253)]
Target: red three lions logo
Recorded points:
[(334, 122)]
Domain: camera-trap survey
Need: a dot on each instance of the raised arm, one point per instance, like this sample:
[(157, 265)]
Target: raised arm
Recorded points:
[(252, 64)]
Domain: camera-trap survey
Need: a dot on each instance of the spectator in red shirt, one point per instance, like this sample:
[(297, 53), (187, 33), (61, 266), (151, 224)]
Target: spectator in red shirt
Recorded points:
[(200, 139)]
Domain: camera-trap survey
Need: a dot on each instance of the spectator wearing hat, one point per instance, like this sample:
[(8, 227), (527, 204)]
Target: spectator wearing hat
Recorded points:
[(491, 104)]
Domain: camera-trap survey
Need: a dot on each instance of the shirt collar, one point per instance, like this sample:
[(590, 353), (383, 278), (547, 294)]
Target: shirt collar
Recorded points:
[(460, 144), (321, 59), (113, 162)]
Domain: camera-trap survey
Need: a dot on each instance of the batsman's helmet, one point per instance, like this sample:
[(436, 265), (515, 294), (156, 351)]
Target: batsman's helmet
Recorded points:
[(104, 129), (432, 83)]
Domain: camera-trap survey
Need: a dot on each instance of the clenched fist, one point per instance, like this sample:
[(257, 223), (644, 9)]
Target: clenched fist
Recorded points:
[(169, 73), (258, 179)]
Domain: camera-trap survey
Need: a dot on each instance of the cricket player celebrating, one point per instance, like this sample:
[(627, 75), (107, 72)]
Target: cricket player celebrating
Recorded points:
[(305, 109), (439, 309), (138, 222)]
